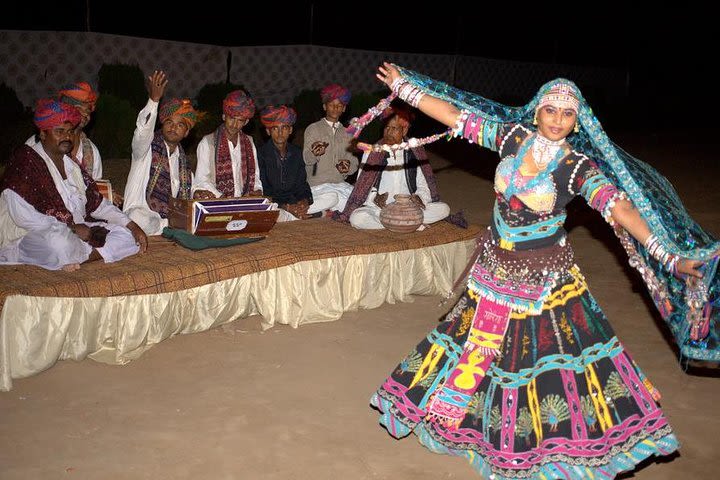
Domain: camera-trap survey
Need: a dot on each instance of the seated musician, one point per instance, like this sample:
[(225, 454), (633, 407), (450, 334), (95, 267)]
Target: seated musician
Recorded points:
[(82, 96), (282, 169), (47, 199), (227, 164), (159, 170), (384, 175)]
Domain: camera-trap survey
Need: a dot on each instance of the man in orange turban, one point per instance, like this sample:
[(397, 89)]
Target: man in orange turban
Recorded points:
[(227, 164), (282, 168), (160, 169), (45, 198)]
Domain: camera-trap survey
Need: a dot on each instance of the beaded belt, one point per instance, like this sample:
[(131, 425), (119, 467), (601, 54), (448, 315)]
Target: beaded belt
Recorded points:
[(526, 266)]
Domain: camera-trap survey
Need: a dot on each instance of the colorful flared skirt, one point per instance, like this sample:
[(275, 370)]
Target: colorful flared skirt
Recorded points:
[(560, 399)]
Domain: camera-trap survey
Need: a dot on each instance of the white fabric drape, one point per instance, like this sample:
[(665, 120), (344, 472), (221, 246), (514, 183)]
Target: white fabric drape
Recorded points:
[(35, 332)]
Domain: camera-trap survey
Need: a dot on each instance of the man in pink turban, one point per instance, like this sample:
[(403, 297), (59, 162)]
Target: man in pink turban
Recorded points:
[(327, 148), (85, 153), (227, 164), (160, 169), (45, 197)]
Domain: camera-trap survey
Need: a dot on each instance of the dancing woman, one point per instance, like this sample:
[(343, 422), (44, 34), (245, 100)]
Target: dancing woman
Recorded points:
[(525, 377)]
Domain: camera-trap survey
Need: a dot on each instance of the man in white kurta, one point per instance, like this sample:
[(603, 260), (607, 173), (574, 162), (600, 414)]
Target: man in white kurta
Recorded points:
[(395, 172), (227, 162), (43, 221), (159, 153)]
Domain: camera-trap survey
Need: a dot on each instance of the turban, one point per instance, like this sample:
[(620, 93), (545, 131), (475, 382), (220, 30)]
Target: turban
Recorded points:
[(238, 104), (562, 95), (399, 111), (272, 116), (335, 91), (51, 113), (180, 107), (77, 93)]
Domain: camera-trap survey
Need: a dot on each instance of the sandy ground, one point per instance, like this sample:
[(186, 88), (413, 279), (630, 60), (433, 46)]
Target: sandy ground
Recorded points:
[(240, 403)]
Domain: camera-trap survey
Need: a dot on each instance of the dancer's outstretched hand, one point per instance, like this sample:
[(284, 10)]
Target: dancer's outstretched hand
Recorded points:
[(387, 73)]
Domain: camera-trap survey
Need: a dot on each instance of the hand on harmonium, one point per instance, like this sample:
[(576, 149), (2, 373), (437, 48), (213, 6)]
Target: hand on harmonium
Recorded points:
[(381, 199), (203, 195), (255, 193), (299, 209), (117, 200)]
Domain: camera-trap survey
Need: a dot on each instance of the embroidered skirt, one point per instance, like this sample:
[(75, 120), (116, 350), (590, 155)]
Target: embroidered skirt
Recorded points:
[(556, 397)]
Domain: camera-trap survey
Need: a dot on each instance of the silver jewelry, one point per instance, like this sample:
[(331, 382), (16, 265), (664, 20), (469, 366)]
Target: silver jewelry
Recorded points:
[(544, 150)]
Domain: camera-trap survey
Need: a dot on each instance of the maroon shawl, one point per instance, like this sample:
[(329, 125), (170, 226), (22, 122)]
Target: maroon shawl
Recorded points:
[(27, 175), (159, 187), (370, 175), (224, 180)]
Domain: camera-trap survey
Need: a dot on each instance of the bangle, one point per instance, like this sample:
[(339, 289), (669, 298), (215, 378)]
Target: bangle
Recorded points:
[(658, 252), (407, 92)]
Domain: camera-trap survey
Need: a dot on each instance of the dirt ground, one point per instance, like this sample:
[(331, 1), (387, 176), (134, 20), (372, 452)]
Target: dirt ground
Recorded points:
[(241, 403)]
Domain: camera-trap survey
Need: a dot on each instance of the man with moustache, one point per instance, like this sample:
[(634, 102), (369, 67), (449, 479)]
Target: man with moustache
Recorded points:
[(385, 174), (85, 153), (46, 199), (227, 164), (159, 170)]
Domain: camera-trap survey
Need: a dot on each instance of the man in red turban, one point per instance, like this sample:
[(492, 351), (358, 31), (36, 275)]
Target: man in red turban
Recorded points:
[(45, 198), (160, 169), (85, 153), (327, 148), (385, 174), (227, 164)]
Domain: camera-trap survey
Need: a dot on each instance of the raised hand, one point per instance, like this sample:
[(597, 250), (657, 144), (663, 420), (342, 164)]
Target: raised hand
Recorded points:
[(156, 84), (387, 73)]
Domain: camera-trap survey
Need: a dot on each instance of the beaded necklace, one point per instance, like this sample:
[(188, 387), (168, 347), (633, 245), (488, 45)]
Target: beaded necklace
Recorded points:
[(516, 178)]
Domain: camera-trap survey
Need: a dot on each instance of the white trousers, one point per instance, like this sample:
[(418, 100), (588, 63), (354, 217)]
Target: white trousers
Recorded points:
[(149, 220), (54, 247), (326, 196)]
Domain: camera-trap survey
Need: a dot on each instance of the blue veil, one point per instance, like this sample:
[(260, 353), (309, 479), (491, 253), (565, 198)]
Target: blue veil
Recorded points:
[(689, 307)]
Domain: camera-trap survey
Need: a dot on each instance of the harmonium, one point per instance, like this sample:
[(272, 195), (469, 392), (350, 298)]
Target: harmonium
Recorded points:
[(246, 216)]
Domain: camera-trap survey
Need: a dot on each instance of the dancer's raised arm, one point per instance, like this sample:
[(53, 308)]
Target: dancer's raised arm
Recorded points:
[(433, 107)]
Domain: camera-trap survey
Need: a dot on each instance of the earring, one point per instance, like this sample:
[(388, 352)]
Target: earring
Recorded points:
[(577, 127), (535, 119)]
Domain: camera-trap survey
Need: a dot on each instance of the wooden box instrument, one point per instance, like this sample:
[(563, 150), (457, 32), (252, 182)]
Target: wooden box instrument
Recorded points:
[(105, 189), (251, 216)]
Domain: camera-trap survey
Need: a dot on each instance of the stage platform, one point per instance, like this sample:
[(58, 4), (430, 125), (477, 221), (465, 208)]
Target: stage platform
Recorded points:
[(303, 272)]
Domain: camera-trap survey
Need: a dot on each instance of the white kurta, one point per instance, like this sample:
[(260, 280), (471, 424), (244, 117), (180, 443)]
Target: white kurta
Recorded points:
[(97, 169), (393, 181), (136, 205), (30, 237), (205, 172)]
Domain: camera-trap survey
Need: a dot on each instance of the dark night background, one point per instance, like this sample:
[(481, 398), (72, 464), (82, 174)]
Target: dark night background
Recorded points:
[(666, 53)]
